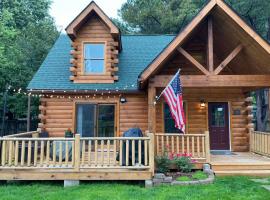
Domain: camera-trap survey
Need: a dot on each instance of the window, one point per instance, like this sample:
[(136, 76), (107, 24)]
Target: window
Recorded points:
[(94, 58), (95, 120), (218, 115), (169, 124)]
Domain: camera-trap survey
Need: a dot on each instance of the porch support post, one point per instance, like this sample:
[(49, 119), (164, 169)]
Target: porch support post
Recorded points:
[(77, 153), (151, 109), (29, 113), (210, 54), (207, 146)]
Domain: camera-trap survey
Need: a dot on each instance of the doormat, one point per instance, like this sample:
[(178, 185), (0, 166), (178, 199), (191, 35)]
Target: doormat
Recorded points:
[(222, 153)]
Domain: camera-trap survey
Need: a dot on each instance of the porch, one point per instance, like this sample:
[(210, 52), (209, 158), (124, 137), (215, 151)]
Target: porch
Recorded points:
[(28, 157)]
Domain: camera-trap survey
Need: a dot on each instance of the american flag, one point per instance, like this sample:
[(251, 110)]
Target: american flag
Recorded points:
[(173, 97)]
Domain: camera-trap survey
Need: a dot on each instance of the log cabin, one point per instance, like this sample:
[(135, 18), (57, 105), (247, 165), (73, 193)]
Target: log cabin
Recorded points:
[(100, 83)]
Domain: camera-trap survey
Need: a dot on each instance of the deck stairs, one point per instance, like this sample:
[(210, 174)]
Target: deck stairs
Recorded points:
[(246, 164)]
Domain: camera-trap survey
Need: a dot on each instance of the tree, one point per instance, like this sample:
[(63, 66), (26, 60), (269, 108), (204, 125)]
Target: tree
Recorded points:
[(27, 32), (158, 16)]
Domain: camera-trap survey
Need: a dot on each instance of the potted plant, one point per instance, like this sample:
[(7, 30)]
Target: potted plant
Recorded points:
[(68, 133)]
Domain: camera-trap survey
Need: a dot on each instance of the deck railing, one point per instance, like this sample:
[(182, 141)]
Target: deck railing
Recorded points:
[(260, 143), (78, 153), (195, 144)]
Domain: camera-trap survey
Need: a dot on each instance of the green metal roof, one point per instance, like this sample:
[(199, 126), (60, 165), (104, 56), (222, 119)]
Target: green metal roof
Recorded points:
[(137, 53)]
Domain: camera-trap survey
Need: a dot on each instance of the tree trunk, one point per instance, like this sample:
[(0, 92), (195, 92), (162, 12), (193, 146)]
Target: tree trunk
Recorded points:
[(262, 109)]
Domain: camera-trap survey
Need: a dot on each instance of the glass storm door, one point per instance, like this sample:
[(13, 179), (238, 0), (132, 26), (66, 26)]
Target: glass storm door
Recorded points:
[(95, 120), (218, 118)]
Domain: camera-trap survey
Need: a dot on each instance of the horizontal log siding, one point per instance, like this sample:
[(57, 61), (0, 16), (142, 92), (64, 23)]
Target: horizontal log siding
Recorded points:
[(57, 114), (133, 113)]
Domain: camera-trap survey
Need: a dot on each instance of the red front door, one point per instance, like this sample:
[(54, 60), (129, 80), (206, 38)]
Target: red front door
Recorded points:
[(218, 118)]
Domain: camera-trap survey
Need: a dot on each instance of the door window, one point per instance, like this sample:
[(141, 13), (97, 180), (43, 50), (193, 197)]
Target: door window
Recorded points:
[(218, 116)]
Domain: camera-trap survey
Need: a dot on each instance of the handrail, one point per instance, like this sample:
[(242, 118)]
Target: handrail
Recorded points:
[(78, 153), (20, 134), (260, 143), (195, 144)]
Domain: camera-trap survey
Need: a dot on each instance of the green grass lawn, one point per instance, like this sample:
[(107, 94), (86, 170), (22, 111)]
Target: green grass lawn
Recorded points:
[(223, 188)]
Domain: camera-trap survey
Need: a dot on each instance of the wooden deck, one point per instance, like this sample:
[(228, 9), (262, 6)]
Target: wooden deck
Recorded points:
[(242, 163)]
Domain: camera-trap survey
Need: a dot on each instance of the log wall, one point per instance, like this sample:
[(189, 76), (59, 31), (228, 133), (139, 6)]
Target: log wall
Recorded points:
[(57, 114)]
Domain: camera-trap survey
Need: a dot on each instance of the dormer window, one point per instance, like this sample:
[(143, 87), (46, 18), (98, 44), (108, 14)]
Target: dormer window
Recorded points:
[(94, 56)]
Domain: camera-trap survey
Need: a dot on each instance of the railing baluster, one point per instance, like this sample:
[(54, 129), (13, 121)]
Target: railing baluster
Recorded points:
[(23, 153), (177, 144), (16, 153), (96, 152), (89, 152), (60, 153), (140, 152), (102, 152), (157, 139), (162, 144), (188, 145), (172, 141), (4, 153), (48, 154), (114, 151), (83, 152), (127, 152), (121, 153), (73, 153), (35, 153), (54, 153), (10, 153), (67, 153), (41, 153), (133, 152), (183, 144), (108, 152), (198, 147), (29, 153)]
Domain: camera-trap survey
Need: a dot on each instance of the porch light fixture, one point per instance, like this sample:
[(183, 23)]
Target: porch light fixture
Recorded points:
[(202, 103), (123, 100)]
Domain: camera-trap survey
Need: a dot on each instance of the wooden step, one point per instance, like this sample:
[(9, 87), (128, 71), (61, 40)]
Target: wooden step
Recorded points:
[(260, 173), (240, 166)]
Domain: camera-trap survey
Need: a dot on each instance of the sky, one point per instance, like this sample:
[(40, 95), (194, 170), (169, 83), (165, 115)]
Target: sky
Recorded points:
[(64, 11)]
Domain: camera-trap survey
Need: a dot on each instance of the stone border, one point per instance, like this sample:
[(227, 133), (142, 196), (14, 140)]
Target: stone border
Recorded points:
[(161, 179)]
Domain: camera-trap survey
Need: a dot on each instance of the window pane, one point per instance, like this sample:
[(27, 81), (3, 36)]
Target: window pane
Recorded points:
[(106, 120), (218, 116), (169, 121), (94, 51), (85, 123), (94, 66)]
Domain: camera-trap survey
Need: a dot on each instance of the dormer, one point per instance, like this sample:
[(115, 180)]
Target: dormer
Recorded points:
[(96, 42)]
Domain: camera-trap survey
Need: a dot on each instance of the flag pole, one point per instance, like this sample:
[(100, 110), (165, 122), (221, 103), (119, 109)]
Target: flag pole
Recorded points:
[(168, 84)]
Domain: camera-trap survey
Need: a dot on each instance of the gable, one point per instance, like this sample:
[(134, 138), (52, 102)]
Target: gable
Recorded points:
[(79, 21), (231, 30)]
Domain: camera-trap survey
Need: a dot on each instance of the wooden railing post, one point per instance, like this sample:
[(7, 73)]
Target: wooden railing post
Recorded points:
[(77, 153), (207, 147), (151, 152)]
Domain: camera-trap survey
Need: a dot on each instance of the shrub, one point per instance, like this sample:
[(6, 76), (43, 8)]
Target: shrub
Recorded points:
[(163, 162), (183, 162)]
